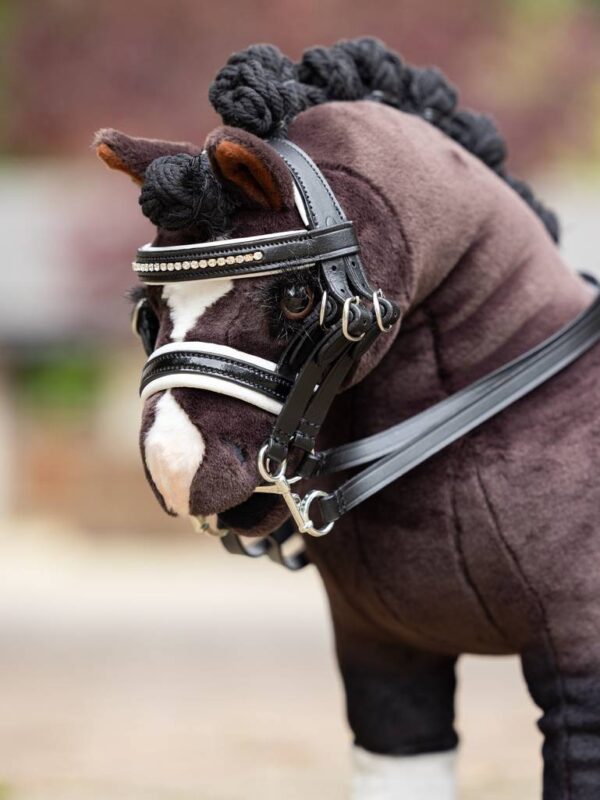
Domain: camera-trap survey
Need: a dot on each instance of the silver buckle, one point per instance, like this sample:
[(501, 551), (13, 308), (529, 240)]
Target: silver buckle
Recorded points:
[(378, 314), (299, 507), (346, 318)]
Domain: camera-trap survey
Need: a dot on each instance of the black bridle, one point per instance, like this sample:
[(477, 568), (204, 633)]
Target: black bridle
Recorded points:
[(300, 388)]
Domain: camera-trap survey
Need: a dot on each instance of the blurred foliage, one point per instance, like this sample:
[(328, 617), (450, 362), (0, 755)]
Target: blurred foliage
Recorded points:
[(146, 66), (8, 21), (61, 382)]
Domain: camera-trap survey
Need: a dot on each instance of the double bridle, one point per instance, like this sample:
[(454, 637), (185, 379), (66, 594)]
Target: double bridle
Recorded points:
[(300, 388)]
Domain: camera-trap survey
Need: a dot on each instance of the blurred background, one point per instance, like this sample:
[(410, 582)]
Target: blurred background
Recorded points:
[(137, 660)]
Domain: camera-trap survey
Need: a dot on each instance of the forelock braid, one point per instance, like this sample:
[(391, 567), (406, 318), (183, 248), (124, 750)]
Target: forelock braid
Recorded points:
[(261, 91), (182, 191)]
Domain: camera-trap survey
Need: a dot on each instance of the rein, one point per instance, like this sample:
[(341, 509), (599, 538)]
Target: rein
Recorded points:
[(300, 388)]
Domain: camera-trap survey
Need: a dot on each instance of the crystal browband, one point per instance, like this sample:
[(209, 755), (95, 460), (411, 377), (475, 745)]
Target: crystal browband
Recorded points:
[(251, 256)]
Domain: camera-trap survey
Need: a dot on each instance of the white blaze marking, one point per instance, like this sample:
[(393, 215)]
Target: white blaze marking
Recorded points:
[(430, 776), (174, 447), (173, 450), (188, 300)]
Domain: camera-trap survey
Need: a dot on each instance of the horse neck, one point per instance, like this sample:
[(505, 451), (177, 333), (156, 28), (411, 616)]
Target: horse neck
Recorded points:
[(506, 293)]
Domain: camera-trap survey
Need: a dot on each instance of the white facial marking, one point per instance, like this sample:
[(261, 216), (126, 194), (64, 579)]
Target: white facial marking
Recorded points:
[(188, 300), (173, 451), (421, 777)]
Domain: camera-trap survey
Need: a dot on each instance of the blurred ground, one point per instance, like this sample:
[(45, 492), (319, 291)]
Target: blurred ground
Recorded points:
[(147, 671)]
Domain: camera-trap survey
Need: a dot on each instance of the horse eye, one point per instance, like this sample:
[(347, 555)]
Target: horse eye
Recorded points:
[(297, 301)]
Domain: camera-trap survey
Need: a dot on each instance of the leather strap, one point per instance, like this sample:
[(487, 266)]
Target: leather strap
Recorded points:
[(270, 546), (309, 425), (344, 277), (245, 258), (316, 366), (242, 373), (421, 437), (322, 207)]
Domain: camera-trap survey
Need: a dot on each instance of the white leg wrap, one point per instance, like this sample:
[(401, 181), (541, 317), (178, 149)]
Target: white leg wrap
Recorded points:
[(430, 776)]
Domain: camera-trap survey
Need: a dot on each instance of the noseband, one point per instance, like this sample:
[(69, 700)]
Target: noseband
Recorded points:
[(300, 388)]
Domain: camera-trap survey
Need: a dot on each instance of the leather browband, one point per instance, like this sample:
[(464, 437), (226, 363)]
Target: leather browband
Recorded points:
[(242, 258)]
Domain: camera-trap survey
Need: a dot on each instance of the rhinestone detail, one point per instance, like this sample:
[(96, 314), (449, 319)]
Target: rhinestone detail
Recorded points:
[(221, 261)]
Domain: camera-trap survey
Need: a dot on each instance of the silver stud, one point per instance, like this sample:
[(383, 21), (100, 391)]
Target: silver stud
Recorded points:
[(163, 266), (212, 262), (221, 262), (177, 265), (239, 259), (170, 267), (258, 256), (185, 265), (248, 257), (230, 260), (194, 264), (203, 264)]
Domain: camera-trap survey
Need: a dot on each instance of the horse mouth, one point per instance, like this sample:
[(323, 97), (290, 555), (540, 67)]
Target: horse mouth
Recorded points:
[(254, 517)]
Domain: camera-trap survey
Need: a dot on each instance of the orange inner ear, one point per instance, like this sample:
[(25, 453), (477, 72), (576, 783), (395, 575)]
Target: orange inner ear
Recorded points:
[(112, 160), (247, 171)]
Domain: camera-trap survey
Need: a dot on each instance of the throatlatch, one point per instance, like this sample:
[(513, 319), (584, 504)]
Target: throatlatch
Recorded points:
[(300, 388)]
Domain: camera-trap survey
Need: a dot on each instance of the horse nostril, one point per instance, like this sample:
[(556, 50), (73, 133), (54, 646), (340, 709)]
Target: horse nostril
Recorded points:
[(240, 452)]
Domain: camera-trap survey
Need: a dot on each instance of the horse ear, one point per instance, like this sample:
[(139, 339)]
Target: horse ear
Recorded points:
[(133, 155), (252, 166)]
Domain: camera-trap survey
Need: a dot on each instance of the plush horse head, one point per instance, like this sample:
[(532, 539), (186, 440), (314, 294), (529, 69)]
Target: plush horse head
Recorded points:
[(416, 197), (490, 547)]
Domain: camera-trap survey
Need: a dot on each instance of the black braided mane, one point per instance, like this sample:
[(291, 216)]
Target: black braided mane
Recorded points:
[(261, 91)]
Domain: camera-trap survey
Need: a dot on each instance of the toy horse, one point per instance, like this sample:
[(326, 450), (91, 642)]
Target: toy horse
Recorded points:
[(345, 256)]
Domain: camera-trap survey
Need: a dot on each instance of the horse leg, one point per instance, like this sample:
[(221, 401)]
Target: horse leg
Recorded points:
[(400, 705), (566, 686)]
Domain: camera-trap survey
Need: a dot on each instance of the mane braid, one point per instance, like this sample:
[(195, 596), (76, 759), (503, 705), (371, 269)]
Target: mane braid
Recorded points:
[(261, 91)]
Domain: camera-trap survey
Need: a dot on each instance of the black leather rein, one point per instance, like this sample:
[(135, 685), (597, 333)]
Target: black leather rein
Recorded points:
[(300, 388), (400, 449)]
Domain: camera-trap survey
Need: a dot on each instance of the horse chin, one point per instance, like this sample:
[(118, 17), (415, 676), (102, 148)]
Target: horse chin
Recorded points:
[(259, 515)]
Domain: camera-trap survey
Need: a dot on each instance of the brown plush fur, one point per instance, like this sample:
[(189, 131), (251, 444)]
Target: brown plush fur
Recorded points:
[(132, 155), (493, 545)]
